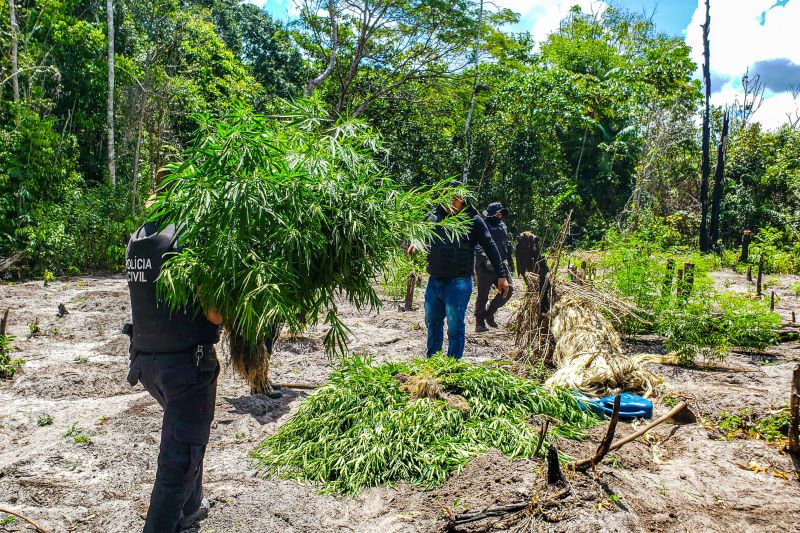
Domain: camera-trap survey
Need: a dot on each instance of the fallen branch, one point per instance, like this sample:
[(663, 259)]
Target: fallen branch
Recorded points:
[(475, 516), (10, 261), (31, 521), (579, 465), (299, 386), (605, 444)]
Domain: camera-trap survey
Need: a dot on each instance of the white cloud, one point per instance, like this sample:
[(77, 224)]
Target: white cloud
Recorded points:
[(738, 40), (542, 17)]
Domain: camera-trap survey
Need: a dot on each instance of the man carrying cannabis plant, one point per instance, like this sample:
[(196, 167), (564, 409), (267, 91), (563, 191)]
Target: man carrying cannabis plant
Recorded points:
[(485, 273), (173, 357), (451, 262)]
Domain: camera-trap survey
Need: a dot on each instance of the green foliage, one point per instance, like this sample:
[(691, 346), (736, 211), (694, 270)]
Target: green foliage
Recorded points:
[(8, 364), (394, 280), (45, 420), (772, 428), (361, 430), (705, 323), (281, 215), (8, 520), (77, 434), (48, 277)]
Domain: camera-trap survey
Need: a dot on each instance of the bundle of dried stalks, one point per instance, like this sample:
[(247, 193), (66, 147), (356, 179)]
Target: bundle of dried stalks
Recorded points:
[(588, 351), (571, 324)]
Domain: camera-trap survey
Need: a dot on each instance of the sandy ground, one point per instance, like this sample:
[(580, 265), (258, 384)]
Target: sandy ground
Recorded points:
[(679, 478)]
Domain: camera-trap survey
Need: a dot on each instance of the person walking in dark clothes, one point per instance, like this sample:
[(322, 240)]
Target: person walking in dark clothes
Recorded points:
[(486, 274), (451, 263), (173, 357)]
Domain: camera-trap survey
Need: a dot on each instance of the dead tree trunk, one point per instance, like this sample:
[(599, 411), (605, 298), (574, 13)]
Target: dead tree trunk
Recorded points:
[(14, 51), (719, 176), (706, 165), (112, 158)]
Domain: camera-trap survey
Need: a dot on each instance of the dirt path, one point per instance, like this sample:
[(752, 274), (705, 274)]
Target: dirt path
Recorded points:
[(677, 479)]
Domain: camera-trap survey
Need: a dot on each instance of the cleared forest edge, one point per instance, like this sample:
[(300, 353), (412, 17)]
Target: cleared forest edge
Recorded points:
[(92, 467)]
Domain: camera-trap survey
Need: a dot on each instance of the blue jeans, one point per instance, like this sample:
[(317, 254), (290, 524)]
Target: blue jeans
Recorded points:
[(447, 298)]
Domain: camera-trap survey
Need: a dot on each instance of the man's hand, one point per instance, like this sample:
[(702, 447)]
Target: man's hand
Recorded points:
[(503, 286), (213, 316)]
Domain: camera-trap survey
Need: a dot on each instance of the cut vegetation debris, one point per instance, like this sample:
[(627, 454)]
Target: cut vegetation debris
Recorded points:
[(381, 424)]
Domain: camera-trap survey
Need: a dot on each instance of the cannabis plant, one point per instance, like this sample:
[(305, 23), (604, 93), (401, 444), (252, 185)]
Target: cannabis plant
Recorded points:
[(279, 217)]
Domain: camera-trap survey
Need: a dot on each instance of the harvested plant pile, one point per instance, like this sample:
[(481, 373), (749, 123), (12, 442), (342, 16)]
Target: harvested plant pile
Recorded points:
[(373, 425)]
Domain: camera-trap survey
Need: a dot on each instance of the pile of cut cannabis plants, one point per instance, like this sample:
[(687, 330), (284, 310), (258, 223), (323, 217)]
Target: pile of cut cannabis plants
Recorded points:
[(378, 424)]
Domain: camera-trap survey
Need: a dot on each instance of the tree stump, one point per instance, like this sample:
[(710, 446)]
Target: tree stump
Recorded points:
[(554, 473), (750, 273), (747, 236)]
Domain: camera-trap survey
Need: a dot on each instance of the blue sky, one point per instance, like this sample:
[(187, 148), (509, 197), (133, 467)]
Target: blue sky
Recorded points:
[(757, 34)]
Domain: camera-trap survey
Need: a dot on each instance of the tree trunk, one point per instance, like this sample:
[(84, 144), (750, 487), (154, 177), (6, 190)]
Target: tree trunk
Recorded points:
[(112, 158), (468, 122), (719, 175), (139, 130), (315, 82), (14, 51), (706, 166)]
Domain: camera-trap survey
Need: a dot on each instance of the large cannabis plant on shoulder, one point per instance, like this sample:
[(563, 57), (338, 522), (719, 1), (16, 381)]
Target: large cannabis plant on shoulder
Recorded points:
[(279, 216)]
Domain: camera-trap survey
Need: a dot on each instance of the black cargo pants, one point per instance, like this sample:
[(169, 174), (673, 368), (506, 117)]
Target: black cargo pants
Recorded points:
[(487, 278), (185, 385)]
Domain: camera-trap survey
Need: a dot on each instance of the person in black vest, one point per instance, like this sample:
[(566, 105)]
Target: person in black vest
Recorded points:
[(451, 263), (486, 274), (173, 357)]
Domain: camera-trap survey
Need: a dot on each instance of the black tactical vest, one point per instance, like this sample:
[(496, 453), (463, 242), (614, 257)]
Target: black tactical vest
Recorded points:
[(499, 232), (157, 327), (450, 258)]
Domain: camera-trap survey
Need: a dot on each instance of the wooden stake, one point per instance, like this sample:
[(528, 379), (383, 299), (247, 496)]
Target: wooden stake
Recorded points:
[(760, 274), (4, 324), (542, 435), (688, 280), (794, 414), (582, 273), (750, 273), (794, 319), (666, 285), (411, 283), (772, 301)]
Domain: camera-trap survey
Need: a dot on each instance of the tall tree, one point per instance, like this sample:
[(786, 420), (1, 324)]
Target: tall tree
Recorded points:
[(14, 51), (468, 122), (719, 175), (112, 158), (384, 44), (706, 165)]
